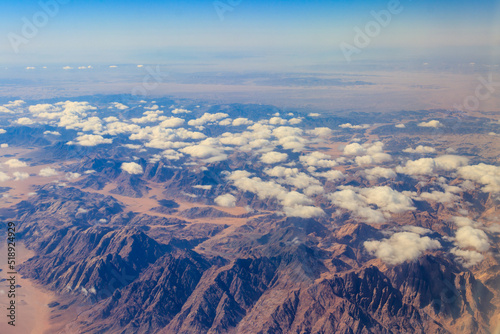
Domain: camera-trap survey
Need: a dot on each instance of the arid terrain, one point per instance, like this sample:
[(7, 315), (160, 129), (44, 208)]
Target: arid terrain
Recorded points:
[(174, 216)]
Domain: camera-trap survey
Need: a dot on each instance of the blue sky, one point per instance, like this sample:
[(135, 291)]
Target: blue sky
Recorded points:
[(112, 31)]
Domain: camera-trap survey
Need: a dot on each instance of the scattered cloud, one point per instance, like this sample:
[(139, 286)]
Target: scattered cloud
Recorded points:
[(119, 106), (429, 166), (24, 121), (226, 200), (375, 173), (420, 149), (53, 133), (15, 163), (401, 247), (207, 152), (359, 201), (487, 175), (172, 122), (47, 172), (132, 168), (180, 111), (207, 118), (273, 157), (470, 237), (468, 258), (19, 176), (430, 124), (320, 132), (350, 126), (241, 121), (91, 140), (4, 177)]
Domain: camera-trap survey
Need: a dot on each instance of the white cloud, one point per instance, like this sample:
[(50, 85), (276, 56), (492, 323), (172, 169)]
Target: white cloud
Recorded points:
[(450, 162), (4, 177), (295, 120), (440, 197), (132, 146), (180, 111), (294, 143), (468, 236), (367, 148), (47, 172), (5, 110), (416, 229), (375, 158), (420, 149), (303, 211), (277, 121), (24, 121), (226, 200), (317, 159), (255, 185), (241, 121), (280, 171), (204, 187), (313, 114), (226, 122), (331, 175), (150, 117), (464, 221), (14, 104), (72, 176), (320, 132), (4, 145), (354, 149), (467, 258), (431, 124), (119, 106), (207, 118), (19, 176), (358, 201), (43, 108), (401, 247), (368, 153), (2, 131), (116, 128), (387, 199), (429, 166), (350, 126), (15, 163), (348, 199), (172, 122), (207, 152), (400, 125), (110, 119), (228, 138), (293, 177), (487, 175), (377, 172), (92, 140), (53, 133), (295, 204), (273, 157), (132, 168)]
